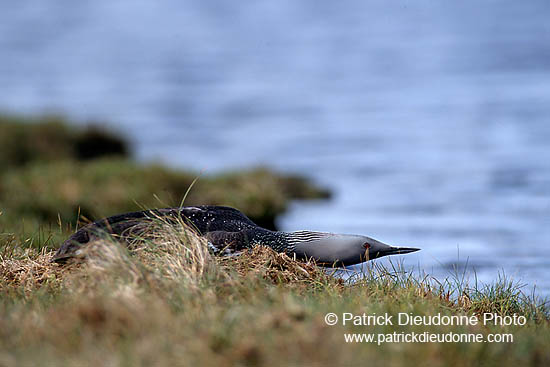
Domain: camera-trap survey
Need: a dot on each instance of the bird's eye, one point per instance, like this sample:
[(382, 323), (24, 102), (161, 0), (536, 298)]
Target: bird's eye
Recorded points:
[(366, 245)]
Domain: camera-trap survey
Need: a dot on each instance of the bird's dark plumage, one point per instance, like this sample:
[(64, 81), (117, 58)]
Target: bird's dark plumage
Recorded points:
[(227, 228)]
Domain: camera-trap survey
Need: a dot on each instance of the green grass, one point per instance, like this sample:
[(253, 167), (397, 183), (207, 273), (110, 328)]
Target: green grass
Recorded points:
[(46, 199), (167, 301)]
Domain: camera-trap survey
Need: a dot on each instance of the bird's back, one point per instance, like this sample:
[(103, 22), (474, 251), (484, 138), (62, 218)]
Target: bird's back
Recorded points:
[(204, 219)]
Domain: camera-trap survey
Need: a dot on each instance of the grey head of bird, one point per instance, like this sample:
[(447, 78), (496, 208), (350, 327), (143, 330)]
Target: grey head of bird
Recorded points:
[(345, 249)]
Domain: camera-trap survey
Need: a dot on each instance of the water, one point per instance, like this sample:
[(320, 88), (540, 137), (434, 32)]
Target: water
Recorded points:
[(430, 120)]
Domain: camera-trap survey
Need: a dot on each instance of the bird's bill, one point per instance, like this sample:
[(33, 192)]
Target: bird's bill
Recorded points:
[(391, 250)]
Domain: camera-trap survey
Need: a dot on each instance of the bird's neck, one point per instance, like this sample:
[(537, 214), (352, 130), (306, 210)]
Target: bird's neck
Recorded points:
[(282, 241), (297, 237)]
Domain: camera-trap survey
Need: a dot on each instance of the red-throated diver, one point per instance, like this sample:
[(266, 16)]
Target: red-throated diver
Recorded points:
[(227, 228)]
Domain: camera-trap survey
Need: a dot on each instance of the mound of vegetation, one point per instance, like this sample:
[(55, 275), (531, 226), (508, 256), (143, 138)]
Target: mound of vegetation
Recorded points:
[(53, 174), (49, 138)]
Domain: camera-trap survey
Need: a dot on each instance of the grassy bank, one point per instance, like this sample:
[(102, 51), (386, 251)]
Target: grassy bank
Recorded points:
[(169, 302), (53, 174)]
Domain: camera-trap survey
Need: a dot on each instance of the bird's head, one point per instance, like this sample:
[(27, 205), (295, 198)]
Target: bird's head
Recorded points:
[(345, 249)]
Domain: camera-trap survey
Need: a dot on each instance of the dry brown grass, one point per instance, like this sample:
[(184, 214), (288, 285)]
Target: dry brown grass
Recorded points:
[(165, 252), (28, 272), (158, 290)]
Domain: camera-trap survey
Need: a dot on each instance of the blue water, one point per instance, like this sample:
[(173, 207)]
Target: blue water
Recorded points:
[(430, 120)]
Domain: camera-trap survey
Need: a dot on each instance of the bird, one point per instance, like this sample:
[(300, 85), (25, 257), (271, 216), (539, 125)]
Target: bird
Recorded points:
[(228, 231)]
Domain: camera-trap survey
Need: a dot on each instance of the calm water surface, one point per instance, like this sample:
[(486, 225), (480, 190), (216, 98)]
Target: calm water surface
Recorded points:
[(430, 120)]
